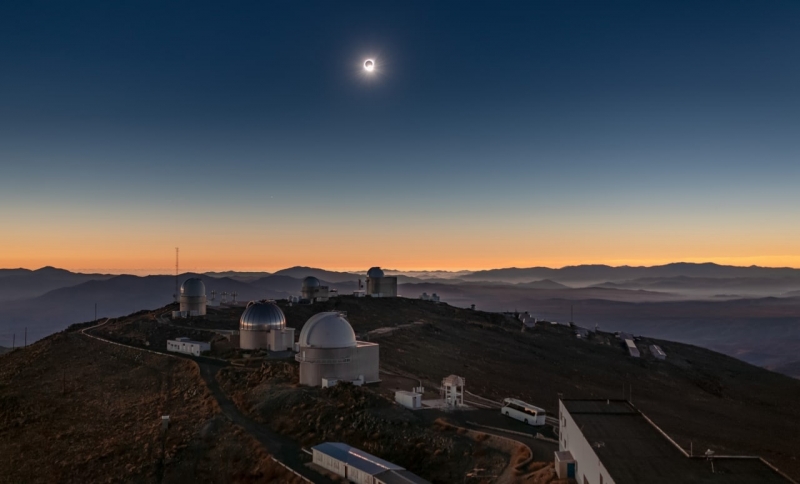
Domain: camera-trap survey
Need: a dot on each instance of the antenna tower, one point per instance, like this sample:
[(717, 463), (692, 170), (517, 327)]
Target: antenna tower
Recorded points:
[(176, 274)]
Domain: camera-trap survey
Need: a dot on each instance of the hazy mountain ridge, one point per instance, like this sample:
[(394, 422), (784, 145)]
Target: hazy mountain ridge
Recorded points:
[(599, 273), (24, 283)]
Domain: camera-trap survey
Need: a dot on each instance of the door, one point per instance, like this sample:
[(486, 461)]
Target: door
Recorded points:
[(571, 470)]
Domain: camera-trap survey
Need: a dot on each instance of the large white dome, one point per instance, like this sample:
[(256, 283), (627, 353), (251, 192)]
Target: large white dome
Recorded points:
[(193, 287), (262, 316), (327, 330)]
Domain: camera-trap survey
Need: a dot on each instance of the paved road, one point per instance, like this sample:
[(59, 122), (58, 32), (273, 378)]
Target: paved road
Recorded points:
[(281, 448)]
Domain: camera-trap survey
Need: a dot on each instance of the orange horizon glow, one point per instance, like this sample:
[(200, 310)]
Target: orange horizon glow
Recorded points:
[(161, 266)]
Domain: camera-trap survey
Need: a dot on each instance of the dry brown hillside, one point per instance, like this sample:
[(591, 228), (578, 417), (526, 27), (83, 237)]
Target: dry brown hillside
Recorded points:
[(73, 409)]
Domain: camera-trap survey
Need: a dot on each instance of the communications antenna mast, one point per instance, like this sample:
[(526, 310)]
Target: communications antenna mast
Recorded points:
[(176, 275)]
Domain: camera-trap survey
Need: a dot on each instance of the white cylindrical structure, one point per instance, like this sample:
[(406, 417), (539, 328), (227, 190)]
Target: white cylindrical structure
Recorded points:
[(328, 349), (193, 297)]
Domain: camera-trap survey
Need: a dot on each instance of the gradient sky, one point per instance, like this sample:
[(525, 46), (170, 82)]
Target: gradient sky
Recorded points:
[(492, 134)]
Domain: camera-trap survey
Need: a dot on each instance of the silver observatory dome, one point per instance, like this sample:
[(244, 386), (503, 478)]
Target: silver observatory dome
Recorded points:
[(193, 287), (311, 281), (327, 330), (262, 316), (375, 273)]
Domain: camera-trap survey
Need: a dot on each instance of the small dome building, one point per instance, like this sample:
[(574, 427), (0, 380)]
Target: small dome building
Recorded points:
[(313, 290), (263, 326), (378, 285), (329, 353), (193, 297)]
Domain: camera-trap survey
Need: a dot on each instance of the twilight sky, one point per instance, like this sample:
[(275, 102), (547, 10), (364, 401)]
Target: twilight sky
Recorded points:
[(491, 134)]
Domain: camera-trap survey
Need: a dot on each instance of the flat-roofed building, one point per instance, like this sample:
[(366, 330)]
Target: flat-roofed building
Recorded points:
[(187, 346), (611, 442), (358, 466)]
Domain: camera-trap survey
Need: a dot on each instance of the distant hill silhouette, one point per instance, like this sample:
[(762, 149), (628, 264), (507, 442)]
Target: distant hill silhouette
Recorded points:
[(300, 272), (594, 274), (24, 283)]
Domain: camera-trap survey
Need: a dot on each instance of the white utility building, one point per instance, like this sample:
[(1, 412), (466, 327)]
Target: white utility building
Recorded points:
[(313, 290), (263, 326), (357, 466), (193, 297), (379, 285), (327, 349), (187, 346), (412, 400)]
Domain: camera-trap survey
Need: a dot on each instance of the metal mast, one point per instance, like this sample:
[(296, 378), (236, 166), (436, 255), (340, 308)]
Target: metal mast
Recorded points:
[(176, 274)]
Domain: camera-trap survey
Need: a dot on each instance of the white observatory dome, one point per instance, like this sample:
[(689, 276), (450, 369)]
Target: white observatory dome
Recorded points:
[(193, 287), (375, 273), (262, 316), (311, 282), (327, 330)]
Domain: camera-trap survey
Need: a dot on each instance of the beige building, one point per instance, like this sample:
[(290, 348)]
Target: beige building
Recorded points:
[(328, 350)]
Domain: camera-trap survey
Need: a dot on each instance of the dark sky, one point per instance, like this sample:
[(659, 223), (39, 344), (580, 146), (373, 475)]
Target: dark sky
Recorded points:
[(593, 131)]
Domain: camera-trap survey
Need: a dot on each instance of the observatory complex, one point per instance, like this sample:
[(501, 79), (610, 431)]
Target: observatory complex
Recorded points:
[(313, 291), (263, 326), (329, 353), (379, 285), (193, 297)]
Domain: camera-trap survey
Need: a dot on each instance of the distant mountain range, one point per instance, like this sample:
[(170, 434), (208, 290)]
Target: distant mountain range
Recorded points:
[(24, 283), (595, 274)]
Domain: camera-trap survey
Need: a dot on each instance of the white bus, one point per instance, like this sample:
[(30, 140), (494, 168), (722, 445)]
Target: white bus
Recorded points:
[(524, 412)]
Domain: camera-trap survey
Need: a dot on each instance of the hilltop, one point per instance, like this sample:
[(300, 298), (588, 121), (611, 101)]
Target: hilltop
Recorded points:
[(694, 395)]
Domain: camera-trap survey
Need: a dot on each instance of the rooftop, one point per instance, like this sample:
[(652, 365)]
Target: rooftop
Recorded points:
[(633, 450), (356, 458), (400, 477)]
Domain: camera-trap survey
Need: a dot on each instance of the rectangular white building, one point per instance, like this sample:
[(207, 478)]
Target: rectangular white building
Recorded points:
[(360, 467), (187, 346), (412, 400)]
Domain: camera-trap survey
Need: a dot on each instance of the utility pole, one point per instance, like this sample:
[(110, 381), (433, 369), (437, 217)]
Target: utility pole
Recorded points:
[(14, 341), (95, 312), (26, 337)]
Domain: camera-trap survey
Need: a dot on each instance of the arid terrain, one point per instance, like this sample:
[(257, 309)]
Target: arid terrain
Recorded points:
[(82, 390), (73, 409)]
